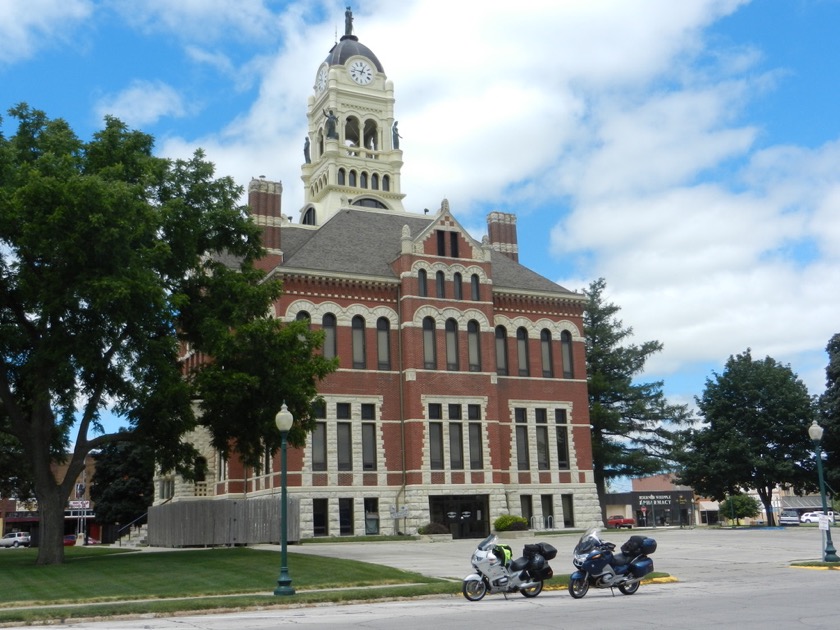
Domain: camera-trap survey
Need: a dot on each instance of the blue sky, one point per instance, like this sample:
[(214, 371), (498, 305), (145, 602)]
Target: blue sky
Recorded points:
[(685, 151)]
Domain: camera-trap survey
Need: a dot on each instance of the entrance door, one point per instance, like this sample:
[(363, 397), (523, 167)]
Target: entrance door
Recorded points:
[(466, 516)]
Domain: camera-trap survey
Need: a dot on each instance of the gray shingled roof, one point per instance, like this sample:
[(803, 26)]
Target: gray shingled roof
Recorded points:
[(365, 243)]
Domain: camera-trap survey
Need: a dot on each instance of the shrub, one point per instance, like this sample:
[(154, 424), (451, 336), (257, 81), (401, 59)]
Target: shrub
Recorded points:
[(433, 528), (510, 523)]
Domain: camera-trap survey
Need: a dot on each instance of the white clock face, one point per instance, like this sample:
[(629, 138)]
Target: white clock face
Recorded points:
[(361, 72), (321, 79)]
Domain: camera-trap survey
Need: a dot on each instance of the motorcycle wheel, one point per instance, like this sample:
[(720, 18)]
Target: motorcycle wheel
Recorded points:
[(474, 590), (532, 591), (629, 589), (578, 587)]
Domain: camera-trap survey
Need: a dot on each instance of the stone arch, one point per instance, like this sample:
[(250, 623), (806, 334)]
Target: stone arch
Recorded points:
[(344, 316)]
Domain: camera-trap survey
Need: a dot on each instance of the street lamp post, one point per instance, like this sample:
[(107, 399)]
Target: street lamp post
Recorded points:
[(283, 420), (815, 432)]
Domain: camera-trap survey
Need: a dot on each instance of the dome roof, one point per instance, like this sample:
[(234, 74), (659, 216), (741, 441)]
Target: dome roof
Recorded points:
[(348, 46)]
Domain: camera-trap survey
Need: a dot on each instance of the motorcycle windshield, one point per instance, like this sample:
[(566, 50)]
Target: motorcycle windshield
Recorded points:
[(487, 543), (589, 540)]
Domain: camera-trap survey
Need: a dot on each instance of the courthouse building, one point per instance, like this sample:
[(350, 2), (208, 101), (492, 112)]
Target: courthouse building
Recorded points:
[(461, 392)]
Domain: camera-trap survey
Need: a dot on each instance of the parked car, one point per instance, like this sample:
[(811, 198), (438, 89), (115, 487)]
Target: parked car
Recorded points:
[(619, 521), (789, 517), (814, 517), (15, 539)]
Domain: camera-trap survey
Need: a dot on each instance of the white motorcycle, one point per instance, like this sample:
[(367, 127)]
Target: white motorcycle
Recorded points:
[(495, 572)]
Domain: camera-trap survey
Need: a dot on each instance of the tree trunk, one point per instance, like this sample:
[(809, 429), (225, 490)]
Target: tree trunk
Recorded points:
[(51, 514), (766, 496)]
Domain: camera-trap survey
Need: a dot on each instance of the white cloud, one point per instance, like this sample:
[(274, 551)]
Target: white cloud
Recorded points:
[(27, 26), (142, 103), (200, 20)]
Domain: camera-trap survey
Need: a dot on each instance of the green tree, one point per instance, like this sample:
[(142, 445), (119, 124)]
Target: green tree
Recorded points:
[(738, 506), (14, 478), (632, 423), (829, 407), (122, 487), (111, 270), (755, 434)]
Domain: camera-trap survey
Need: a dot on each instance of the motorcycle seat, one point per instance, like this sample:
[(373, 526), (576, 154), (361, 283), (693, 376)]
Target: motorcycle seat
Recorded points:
[(519, 564), (620, 559)]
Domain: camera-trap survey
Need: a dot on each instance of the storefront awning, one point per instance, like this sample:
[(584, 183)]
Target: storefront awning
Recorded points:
[(802, 503), (708, 506)]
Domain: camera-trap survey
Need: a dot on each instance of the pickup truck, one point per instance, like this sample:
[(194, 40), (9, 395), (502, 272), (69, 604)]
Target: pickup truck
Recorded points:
[(619, 521)]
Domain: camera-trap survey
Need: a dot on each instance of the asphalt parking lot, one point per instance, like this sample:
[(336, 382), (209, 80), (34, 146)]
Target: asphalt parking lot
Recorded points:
[(687, 554)]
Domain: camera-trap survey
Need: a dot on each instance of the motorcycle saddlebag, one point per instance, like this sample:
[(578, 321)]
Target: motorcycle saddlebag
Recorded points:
[(546, 574), (542, 549), (642, 567), (536, 563)]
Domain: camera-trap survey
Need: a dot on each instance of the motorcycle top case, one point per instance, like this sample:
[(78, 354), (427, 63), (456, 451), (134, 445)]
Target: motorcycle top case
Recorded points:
[(638, 544), (542, 549), (641, 567)]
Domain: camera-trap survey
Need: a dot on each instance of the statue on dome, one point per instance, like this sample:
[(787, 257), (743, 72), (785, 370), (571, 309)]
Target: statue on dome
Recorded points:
[(348, 22), (332, 120)]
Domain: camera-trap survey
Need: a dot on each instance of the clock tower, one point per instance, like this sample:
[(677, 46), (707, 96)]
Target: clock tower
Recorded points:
[(352, 155)]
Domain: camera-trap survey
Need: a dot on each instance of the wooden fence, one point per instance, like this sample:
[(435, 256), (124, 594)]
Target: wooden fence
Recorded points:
[(210, 523)]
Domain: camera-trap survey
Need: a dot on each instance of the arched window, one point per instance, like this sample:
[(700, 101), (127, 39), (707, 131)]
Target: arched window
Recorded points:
[(474, 283), (303, 315), (352, 181), (501, 351), (386, 183), (452, 362), (440, 285), (309, 217), (545, 353), (422, 289), (522, 351), (352, 132), (458, 286), (429, 344), (200, 469), (566, 351), (359, 342), (342, 175), (374, 181), (474, 345), (363, 179), (328, 324), (371, 135), (383, 343)]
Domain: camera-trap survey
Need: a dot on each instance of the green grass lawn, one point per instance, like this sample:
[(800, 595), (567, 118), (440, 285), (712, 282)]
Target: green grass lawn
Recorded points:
[(91, 573), (220, 578)]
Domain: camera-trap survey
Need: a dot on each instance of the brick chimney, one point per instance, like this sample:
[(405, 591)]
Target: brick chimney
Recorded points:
[(501, 231), (264, 198)]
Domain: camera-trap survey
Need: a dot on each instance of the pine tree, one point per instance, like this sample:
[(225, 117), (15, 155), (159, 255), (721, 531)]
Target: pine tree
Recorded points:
[(632, 423)]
